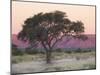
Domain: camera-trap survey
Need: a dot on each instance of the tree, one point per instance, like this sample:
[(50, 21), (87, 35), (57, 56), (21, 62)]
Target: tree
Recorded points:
[(48, 29), (15, 50)]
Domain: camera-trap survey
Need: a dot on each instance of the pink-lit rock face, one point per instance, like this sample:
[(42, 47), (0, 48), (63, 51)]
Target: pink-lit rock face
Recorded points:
[(74, 43), (19, 43)]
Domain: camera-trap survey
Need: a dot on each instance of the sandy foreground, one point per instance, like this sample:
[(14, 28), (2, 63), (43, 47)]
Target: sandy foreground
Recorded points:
[(56, 65)]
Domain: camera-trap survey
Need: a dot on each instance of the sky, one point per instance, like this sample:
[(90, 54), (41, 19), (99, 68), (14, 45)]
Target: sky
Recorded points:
[(23, 10)]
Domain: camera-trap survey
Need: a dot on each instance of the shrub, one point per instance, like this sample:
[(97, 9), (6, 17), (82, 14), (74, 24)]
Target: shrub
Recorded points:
[(17, 52), (78, 50), (68, 51), (59, 50), (31, 51)]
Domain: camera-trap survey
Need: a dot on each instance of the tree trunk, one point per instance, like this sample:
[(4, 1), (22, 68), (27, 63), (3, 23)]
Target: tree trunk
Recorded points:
[(48, 52), (48, 56)]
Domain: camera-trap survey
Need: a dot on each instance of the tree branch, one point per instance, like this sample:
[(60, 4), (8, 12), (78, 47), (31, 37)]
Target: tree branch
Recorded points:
[(57, 40), (44, 46)]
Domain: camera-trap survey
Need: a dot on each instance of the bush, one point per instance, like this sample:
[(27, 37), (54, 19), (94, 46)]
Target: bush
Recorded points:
[(17, 52), (78, 50), (31, 51), (68, 51), (59, 50), (42, 52)]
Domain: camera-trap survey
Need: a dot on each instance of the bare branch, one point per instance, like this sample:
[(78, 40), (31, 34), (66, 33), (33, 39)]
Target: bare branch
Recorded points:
[(44, 46)]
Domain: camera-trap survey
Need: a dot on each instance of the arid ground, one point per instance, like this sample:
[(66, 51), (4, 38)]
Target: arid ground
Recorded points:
[(60, 61)]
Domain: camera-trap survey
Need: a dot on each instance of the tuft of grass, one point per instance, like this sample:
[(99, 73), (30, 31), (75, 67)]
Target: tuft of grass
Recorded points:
[(58, 68), (89, 66), (27, 57), (14, 61), (55, 56)]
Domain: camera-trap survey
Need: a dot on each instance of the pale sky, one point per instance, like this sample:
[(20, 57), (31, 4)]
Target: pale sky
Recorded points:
[(23, 10)]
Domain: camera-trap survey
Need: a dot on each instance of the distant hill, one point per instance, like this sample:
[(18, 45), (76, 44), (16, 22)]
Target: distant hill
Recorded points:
[(19, 43), (74, 43)]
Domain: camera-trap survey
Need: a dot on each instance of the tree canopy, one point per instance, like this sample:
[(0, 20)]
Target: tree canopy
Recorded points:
[(49, 28)]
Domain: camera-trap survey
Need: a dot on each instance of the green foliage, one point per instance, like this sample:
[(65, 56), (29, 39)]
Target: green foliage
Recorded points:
[(31, 51), (78, 50), (77, 27), (59, 50), (69, 51), (17, 52), (49, 27)]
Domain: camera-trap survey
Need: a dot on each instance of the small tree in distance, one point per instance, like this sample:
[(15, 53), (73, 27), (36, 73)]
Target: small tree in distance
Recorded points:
[(48, 29)]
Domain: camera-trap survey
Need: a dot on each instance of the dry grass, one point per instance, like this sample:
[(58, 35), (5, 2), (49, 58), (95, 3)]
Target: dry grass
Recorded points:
[(55, 56), (60, 62)]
